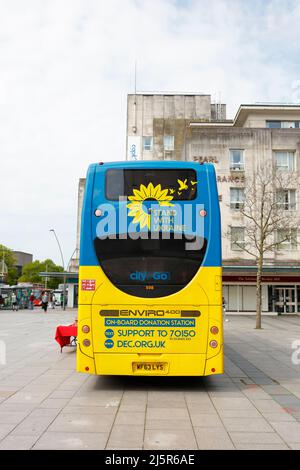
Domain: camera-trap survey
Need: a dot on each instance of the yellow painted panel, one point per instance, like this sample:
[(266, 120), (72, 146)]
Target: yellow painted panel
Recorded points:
[(159, 329), (125, 329), (201, 288), (178, 364)]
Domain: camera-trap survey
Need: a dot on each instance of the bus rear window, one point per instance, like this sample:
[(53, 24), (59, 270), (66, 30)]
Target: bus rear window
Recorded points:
[(181, 184), (167, 265)]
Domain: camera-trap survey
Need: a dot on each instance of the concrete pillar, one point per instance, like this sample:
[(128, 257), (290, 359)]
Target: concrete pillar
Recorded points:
[(70, 296)]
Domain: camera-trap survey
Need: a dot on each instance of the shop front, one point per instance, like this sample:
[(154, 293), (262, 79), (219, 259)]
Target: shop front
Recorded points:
[(280, 290)]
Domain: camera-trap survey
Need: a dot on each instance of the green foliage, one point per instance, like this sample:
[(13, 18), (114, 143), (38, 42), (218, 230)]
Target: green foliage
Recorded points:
[(9, 259), (8, 254), (30, 273), (12, 276)]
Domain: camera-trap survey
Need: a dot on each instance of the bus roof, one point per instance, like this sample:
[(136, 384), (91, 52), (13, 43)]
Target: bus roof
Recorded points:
[(208, 167)]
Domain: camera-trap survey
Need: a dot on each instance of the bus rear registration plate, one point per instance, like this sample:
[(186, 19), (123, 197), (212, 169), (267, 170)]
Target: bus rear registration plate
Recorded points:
[(150, 367)]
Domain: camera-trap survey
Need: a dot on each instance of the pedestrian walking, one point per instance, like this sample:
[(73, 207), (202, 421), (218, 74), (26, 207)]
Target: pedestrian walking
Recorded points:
[(31, 300), (224, 308), (1, 302), (44, 301), (52, 301), (14, 302)]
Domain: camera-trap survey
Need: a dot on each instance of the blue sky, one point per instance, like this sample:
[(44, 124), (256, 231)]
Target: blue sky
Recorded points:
[(67, 65)]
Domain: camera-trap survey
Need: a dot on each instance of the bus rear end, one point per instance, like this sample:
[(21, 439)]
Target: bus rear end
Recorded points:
[(150, 300)]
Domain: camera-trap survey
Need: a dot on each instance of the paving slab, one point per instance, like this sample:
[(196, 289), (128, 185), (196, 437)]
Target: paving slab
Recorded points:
[(232, 403), (203, 408), (202, 420), (278, 417), (167, 413), (169, 424), (69, 441), (130, 418), (170, 439), (262, 446), (213, 439), (138, 407), (13, 442), (294, 446), (269, 405), (80, 422), (251, 413), (247, 424), (35, 423), (255, 438), (13, 417), (54, 403), (289, 431), (46, 404), (5, 429), (126, 436)]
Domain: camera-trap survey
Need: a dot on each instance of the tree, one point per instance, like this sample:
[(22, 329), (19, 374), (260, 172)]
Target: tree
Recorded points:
[(7, 255), (31, 272), (268, 221)]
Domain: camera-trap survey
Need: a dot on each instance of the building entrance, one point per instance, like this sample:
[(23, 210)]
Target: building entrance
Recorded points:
[(285, 299)]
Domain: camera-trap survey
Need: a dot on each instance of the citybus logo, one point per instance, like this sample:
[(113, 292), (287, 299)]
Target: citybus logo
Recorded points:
[(150, 276)]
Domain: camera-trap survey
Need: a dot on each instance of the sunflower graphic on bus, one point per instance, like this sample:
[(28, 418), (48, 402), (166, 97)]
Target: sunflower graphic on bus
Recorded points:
[(138, 207)]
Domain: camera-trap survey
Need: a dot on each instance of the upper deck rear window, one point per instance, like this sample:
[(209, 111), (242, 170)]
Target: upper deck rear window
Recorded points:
[(181, 184)]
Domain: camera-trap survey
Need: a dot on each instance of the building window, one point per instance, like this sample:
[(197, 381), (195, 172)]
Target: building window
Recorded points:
[(237, 197), (237, 160), (237, 238), (282, 124), (286, 199), (169, 142), (284, 160), (288, 124), (147, 143), (287, 239), (273, 124)]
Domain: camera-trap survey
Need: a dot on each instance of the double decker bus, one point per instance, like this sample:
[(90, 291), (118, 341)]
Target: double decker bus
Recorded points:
[(150, 286)]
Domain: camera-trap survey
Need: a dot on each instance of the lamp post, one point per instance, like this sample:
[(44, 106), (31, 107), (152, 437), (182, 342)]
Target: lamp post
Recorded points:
[(63, 263)]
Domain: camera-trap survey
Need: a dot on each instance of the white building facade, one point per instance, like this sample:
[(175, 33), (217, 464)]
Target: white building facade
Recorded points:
[(189, 127)]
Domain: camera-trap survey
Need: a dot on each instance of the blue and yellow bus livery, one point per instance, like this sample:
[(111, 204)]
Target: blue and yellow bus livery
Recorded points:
[(150, 287)]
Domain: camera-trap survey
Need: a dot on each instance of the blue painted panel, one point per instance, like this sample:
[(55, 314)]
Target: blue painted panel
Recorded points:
[(94, 197)]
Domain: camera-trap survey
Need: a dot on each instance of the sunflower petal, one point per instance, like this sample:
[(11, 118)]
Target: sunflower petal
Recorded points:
[(163, 194), (157, 190), (138, 195), (143, 220), (165, 203), (144, 191), (150, 190)]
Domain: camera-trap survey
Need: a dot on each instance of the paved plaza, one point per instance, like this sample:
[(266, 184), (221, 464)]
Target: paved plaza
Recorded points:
[(45, 404)]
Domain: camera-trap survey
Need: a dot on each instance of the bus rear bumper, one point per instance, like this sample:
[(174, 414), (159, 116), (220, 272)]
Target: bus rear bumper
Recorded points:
[(152, 364)]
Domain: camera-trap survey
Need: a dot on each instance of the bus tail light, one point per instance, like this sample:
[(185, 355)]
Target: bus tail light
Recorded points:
[(86, 342), (85, 329), (213, 343), (214, 330)]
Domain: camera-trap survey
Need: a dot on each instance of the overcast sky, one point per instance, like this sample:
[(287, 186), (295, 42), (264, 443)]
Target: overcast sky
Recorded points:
[(66, 67)]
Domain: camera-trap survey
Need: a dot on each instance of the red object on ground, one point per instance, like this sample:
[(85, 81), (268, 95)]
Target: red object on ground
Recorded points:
[(64, 332)]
